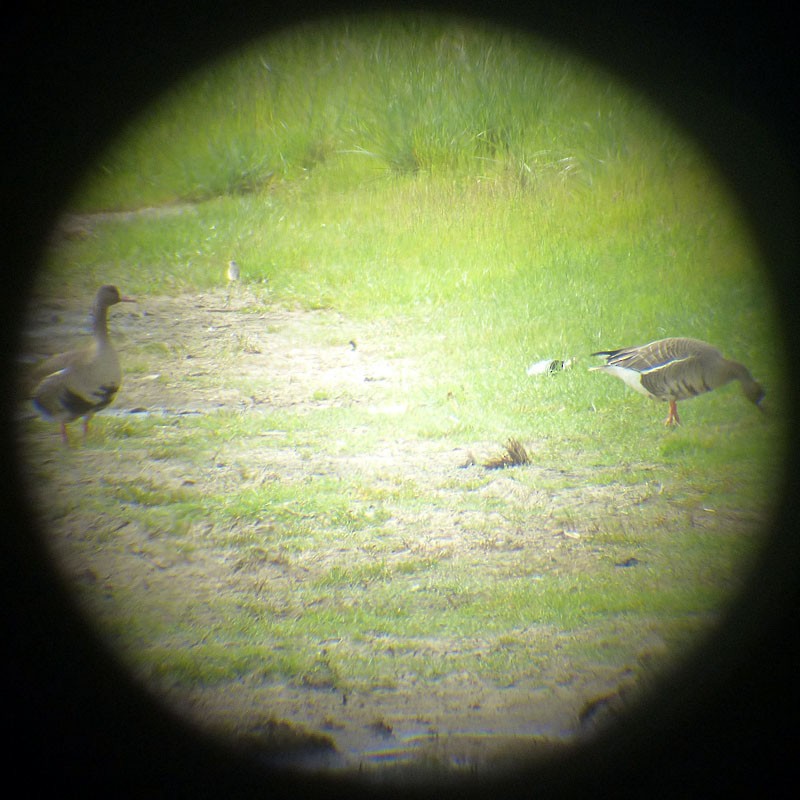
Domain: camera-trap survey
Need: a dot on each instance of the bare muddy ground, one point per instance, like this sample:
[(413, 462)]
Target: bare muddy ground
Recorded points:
[(191, 355)]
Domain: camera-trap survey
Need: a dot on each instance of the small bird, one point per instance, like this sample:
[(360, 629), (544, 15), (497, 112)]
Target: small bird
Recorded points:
[(81, 382), (677, 369), (233, 274)]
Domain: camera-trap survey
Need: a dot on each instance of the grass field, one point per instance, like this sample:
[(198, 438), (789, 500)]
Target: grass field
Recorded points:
[(461, 202)]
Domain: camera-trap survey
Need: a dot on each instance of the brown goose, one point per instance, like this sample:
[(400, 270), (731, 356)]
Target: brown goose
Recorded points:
[(677, 369), (80, 383)]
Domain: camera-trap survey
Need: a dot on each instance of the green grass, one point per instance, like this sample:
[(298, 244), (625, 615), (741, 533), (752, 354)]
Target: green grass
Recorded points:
[(492, 202)]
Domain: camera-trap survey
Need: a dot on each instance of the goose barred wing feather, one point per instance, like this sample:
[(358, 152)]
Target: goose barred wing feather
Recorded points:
[(659, 354), (78, 383), (52, 365), (678, 379), (668, 369), (57, 400)]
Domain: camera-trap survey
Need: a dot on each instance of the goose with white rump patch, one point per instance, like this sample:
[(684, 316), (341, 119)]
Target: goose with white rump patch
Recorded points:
[(79, 383), (677, 369)]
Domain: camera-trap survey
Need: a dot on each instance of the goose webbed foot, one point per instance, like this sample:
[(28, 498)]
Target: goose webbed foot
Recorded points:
[(672, 417)]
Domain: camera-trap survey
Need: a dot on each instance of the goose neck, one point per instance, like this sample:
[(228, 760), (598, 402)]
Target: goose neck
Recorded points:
[(100, 321)]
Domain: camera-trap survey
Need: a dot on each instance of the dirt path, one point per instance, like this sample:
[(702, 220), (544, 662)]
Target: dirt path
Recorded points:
[(252, 362)]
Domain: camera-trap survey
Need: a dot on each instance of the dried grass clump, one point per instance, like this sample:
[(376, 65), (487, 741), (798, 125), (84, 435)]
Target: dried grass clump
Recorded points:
[(515, 455)]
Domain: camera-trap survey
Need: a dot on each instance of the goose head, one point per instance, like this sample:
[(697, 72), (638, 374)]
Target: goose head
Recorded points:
[(751, 388), (106, 296), (109, 296), (755, 393)]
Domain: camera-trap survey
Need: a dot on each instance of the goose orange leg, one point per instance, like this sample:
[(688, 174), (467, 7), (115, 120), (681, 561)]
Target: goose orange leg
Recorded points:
[(672, 417)]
